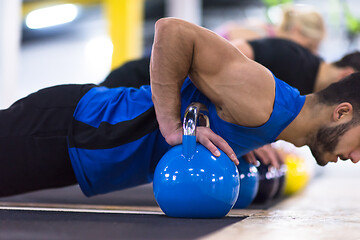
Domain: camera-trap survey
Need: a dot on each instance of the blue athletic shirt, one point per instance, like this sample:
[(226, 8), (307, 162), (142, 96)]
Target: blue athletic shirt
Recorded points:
[(115, 142)]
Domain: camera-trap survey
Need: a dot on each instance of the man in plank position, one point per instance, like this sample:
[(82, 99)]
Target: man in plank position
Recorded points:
[(110, 139), (287, 60)]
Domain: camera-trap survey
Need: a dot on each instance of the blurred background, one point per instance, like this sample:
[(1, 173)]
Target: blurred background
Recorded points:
[(48, 42)]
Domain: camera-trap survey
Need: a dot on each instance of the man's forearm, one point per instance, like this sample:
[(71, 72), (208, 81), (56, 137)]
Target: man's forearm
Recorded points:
[(170, 63)]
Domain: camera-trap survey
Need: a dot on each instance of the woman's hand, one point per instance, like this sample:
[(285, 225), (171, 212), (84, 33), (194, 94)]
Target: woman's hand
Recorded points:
[(266, 155)]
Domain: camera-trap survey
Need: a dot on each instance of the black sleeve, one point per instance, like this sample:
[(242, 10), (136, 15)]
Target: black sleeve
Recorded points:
[(132, 74), (288, 61)]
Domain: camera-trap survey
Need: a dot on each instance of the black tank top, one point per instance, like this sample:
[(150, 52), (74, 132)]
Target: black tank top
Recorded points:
[(288, 61)]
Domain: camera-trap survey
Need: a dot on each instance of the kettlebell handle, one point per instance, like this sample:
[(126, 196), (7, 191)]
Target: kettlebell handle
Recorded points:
[(191, 117)]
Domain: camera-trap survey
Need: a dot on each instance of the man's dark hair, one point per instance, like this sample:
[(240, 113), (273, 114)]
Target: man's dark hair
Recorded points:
[(350, 60), (345, 90)]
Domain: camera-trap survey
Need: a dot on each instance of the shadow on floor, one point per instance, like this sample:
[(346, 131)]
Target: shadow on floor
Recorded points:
[(65, 225), (138, 196)]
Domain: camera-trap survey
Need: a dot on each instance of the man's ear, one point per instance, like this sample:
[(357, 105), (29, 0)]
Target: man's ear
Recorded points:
[(343, 111)]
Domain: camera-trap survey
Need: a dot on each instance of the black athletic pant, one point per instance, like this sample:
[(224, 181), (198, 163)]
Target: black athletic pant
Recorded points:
[(33, 131), (33, 140)]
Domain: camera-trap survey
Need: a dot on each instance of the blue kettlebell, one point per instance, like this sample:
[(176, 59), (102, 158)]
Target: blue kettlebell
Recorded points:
[(189, 182), (249, 180)]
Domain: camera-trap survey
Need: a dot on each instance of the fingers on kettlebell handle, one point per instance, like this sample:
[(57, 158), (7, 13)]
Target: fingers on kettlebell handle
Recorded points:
[(209, 139), (214, 141), (210, 146), (227, 149)]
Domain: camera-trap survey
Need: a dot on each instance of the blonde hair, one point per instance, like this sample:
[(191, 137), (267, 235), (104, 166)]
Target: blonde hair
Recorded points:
[(309, 22)]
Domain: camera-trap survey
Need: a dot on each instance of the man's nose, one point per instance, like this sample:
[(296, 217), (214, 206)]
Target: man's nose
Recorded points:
[(355, 156)]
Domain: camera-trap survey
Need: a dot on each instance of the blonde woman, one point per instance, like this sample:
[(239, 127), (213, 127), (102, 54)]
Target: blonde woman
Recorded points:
[(299, 23)]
